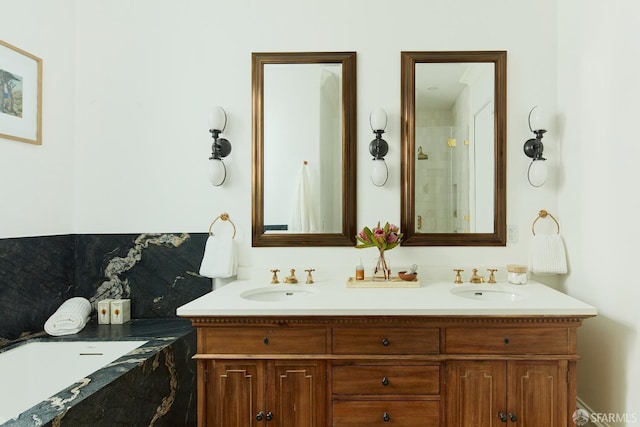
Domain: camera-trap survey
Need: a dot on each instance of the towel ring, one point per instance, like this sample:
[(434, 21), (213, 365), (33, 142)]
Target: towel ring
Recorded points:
[(544, 214), (225, 217)]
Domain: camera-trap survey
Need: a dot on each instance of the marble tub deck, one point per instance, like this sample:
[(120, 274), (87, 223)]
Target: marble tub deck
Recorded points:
[(160, 392)]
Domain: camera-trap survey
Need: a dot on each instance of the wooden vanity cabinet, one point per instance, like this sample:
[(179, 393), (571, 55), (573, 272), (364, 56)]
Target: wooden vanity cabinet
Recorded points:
[(246, 378), (250, 392), (527, 376), (453, 371), (520, 392)]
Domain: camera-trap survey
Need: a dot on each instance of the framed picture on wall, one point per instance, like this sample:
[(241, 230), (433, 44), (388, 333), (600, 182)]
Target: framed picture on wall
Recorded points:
[(20, 95)]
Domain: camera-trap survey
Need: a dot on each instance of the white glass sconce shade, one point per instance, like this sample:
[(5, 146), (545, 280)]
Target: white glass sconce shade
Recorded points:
[(217, 119), (379, 172), (378, 147), (217, 172), (534, 148), (220, 148), (538, 119), (537, 173), (378, 119)]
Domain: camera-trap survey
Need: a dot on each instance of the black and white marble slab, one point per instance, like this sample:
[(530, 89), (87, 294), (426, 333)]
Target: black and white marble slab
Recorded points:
[(152, 385), (36, 275), (158, 272)]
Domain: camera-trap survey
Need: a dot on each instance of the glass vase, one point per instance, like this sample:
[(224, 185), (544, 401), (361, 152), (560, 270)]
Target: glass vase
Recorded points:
[(381, 271)]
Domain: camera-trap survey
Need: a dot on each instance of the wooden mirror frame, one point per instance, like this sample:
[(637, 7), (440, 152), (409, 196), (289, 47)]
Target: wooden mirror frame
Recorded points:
[(407, 168), (349, 142)]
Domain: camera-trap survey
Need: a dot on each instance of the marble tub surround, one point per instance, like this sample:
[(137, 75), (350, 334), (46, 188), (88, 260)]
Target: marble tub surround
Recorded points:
[(152, 385), (158, 272), (36, 277), (331, 297)]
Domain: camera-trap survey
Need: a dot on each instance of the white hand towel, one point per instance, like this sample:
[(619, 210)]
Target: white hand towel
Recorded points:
[(69, 318), (219, 258), (548, 255)]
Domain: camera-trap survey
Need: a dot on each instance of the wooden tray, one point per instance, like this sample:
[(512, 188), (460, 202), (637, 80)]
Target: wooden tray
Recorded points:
[(394, 282)]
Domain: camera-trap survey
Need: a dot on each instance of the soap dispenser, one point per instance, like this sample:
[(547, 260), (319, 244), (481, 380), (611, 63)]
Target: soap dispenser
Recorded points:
[(360, 271)]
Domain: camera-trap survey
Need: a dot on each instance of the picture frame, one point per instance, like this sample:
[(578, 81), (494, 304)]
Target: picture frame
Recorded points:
[(20, 95)]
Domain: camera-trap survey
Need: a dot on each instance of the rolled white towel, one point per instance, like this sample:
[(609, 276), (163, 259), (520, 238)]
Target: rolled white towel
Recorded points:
[(69, 318)]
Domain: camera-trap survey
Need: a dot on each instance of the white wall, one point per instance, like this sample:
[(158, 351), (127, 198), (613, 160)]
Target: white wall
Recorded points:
[(148, 71), (598, 90), (36, 182)]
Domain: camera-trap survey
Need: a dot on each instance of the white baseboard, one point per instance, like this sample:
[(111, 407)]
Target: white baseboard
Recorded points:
[(582, 405)]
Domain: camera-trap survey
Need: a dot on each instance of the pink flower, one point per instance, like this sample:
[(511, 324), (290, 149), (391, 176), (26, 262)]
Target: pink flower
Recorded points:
[(383, 238)]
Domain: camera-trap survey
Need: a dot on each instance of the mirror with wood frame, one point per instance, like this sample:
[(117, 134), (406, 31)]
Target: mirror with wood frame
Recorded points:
[(453, 137), (304, 149)]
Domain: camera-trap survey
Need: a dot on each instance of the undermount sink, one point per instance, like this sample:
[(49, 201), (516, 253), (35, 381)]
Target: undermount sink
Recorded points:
[(277, 293), (484, 294)]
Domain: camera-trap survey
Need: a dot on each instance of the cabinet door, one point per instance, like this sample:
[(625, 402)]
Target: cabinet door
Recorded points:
[(297, 393), (537, 393), (476, 393), (235, 393), (524, 393)]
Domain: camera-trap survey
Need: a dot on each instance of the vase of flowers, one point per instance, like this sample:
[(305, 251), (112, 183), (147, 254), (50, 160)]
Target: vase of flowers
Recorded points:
[(384, 239)]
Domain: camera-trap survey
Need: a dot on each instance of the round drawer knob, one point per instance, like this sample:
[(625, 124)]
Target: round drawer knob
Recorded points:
[(385, 342), (385, 381), (385, 417)]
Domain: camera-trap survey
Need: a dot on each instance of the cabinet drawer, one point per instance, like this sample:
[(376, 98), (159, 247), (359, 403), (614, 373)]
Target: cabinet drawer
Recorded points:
[(507, 341), (386, 380), (386, 341), (383, 413), (277, 340)]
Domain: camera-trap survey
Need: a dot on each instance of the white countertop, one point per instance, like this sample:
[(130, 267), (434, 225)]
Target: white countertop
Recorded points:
[(432, 298)]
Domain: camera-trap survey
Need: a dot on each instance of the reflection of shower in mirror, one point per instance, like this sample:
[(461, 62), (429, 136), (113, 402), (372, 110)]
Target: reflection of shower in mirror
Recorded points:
[(442, 184)]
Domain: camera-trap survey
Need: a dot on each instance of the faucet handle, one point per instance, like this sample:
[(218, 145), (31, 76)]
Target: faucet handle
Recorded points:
[(274, 278), (492, 277), (458, 278), (309, 278)]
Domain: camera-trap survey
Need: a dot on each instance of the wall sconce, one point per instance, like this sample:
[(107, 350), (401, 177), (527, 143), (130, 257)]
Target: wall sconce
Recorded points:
[(220, 148), (378, 147), (538, 123)]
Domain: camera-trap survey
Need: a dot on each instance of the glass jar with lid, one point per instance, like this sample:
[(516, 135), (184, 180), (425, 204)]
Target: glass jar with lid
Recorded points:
[(517, 274)]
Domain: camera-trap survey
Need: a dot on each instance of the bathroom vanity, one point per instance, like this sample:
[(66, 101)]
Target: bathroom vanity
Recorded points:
[(441, 354)]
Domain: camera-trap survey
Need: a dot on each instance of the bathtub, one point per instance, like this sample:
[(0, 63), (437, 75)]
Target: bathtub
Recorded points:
[(36, 370)]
